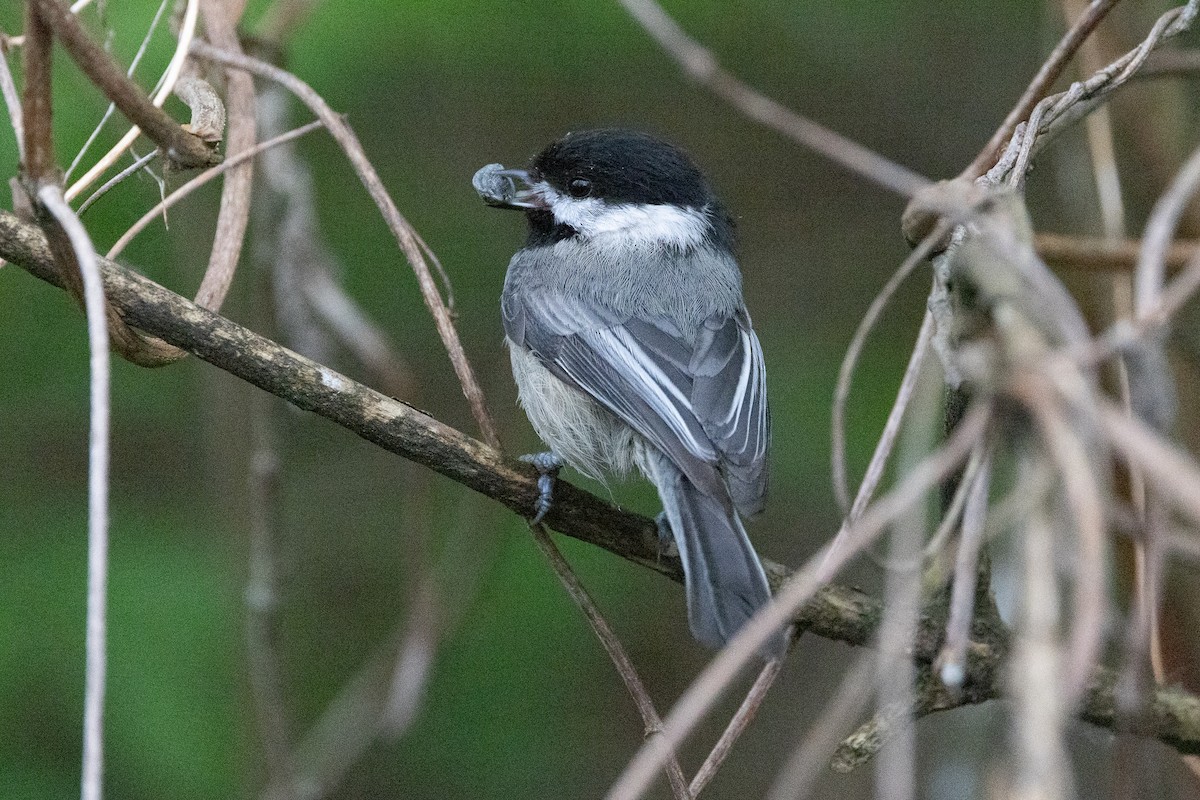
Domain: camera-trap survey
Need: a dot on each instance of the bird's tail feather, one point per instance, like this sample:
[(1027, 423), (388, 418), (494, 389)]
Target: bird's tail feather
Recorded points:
[(724, 578)]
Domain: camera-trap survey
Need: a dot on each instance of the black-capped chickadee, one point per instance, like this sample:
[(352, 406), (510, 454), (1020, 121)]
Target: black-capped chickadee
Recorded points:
[(631, 346)]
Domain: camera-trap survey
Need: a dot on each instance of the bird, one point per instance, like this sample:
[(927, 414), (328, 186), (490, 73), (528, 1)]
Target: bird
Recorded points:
[(632, 349)]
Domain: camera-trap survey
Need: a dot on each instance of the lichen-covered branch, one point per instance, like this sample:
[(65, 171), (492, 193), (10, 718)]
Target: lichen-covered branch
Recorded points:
[(836, 612)]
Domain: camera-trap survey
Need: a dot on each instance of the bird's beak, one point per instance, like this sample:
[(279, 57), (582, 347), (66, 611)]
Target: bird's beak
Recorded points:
[(507, 188)]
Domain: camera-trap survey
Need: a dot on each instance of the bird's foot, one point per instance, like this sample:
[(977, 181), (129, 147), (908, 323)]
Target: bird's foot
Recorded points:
[(547, 465), (666, 539)]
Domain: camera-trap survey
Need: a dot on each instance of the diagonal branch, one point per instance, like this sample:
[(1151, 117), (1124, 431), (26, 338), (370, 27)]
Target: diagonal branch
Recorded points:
[(699, 64), (410, 243), (181, 147), (1049, 72), (834, 612)]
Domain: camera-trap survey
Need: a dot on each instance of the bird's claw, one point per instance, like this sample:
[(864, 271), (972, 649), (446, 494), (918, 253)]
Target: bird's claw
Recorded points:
[(666, 539), (547, 465)]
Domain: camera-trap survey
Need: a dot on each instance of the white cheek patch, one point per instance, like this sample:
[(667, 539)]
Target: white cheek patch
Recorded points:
[(637, 224)]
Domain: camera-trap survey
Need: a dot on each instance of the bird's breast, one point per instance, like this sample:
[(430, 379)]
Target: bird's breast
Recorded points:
[(582, 432)]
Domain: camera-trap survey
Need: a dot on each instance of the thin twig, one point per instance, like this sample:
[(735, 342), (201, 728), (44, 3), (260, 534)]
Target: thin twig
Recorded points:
[(1075, 460), (1093, 254), (875, 468), (50, 198), (974, 488), (894, 671), (180, 146), (37, 107), (745, 714), (108, 112), (1170, 470), (174, 69), (699, 64), (1054, 114), (304, 278), (1173, 298), (404, 233), (808, 759), (114, 180), (1046, 75), (201, 179), (841, 394), (12, 99), (950, 517), (1160, 229), (616, 652), (1039, 759), (1101, 144), (1183, 62), (262, 594)]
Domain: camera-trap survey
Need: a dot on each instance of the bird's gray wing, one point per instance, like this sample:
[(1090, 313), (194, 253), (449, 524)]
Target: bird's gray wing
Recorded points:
[(703, 404), (729, 396)]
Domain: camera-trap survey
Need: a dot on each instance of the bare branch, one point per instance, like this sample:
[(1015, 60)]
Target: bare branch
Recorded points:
[(180, 146), (234, 213), (12, 99), (1160, 229), (404, 233), (616, 652), (1056, 113), (166, 86), (1102, 255), (116, 179), (85, 260), (883, 448), (745, 714), (261, 595), (108, 112), (699, 64), (973, 491), (37, 107), (1054, 65), (203, 178), (1069, 449)]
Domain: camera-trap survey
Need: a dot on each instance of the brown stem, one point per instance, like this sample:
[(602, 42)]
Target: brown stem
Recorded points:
[(37, 109), (746, 713), (234, 213), (1102, 255), (40, 168), (406, 237), (616, 651), (181, 147), (1053, 67)]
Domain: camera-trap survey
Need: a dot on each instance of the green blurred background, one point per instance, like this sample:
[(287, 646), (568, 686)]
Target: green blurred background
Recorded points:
[(522, 701)]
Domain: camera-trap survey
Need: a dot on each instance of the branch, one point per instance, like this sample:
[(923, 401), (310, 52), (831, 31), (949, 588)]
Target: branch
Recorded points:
[(406, 236), (699, 64), (234, 214), (1102, 255), (1054, 65), (181, 147), (616, 651), (835, 612)]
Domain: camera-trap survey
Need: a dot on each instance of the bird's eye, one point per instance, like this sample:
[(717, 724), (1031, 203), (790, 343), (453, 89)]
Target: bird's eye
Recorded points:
[(579, 188)]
